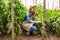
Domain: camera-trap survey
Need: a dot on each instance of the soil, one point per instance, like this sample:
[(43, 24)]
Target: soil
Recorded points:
[(33, 37)]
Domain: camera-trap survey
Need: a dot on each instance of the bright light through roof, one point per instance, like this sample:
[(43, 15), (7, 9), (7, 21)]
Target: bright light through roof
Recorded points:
[(49, 3)]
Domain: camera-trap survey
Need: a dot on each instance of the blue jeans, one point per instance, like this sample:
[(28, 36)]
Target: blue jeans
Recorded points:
[(33, 28)]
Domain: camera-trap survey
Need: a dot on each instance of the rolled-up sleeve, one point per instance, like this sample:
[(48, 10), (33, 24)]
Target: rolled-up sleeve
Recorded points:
[(28, 18)]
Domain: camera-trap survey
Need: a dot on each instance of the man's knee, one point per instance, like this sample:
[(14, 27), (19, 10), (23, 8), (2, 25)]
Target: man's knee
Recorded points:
[(34, 27)]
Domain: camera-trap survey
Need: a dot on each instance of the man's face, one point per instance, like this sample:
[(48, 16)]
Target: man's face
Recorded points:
[(33, 10)]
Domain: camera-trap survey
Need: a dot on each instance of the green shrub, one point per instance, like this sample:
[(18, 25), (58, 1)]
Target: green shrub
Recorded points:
[(52, 20), (5, 16)]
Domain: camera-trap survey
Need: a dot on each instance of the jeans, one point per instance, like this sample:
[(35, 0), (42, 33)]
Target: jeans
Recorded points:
[(33, 28)]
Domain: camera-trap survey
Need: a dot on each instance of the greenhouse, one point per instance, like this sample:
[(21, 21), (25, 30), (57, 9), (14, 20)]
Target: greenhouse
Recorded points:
[(29, 19)]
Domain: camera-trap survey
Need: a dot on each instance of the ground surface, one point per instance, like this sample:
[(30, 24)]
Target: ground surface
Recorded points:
[(24, 37)]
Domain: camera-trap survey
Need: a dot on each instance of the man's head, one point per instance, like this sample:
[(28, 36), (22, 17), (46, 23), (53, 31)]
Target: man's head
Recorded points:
[(32, 9)]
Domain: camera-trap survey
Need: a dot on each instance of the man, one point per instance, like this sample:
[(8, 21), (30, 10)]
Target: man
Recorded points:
[(29, 23)]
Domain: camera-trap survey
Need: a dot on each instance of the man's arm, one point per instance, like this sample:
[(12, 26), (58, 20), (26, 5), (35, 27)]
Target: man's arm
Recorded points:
[(31, 21)]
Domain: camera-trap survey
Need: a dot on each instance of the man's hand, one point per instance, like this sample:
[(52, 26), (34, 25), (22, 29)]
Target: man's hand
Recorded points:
[(38, 21)]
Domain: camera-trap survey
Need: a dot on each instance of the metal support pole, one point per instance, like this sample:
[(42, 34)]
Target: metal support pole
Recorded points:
[(25, 2), (36, 2), (53, 5), (48, 4), (33, 1), (20, 1), (59, 4)]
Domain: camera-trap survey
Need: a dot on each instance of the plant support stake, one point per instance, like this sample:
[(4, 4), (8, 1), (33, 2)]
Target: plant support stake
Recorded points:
[(12, 17), (44, 35), (59, 3)]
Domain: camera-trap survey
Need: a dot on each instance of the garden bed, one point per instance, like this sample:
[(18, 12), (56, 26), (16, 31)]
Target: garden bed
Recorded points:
[(24, 37)]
